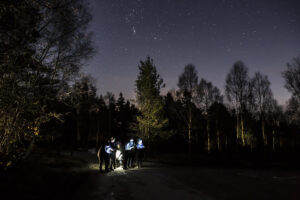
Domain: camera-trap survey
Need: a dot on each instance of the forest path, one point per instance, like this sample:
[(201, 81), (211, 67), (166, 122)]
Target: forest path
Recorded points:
[(155, 181), (149, 182), (77, 177)]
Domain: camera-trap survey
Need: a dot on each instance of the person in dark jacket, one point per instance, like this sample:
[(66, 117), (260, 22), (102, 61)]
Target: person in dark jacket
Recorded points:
[(125, 157), (101, 157), (140, 152), (112, 155), (129, 154), (107, 156)]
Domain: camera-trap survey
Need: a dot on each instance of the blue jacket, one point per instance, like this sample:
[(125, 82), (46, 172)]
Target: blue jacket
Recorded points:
[(140, 146), (108, 149), (129, 146)]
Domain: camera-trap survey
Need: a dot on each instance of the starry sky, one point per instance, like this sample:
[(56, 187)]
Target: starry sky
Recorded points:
[(211, 34)]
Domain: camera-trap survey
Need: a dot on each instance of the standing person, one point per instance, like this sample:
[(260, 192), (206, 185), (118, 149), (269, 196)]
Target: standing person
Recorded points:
[(119, 155), (101, 157), (132, 154), (129, 153), (126, 154), (113, 146), (107, 158), (140, 152)]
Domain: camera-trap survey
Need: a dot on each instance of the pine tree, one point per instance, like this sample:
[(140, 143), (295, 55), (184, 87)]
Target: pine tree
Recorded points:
[(150, 103)]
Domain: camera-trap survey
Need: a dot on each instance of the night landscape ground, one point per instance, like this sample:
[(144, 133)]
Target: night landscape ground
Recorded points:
[(77, 177)]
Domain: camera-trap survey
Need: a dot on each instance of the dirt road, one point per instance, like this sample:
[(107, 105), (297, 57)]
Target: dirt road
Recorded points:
[(77, 177), (168, 182), (150, 182)]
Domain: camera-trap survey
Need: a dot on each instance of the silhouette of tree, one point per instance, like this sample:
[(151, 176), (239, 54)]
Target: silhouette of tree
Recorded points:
[(187, 84), (83, 98), (292, 84), (237, 92), (111, 108), (148, 85), (42, 46), (263, 98), (207, 94), (275, 117), (222, 123), (18, 69), (292, 77)]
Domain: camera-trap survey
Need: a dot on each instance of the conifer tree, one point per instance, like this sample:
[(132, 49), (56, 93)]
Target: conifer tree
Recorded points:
[(148, 85)]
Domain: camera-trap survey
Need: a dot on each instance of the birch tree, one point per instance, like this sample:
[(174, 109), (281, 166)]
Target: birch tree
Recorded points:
[(237, 88), (187, 84), (207, 94), (263, 98)]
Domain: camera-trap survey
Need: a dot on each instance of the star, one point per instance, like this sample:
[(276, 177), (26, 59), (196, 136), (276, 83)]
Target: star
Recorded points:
[(133, 30), (196, 32)]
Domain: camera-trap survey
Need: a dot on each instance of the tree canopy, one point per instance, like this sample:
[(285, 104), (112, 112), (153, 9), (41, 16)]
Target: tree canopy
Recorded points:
[(150, 104)]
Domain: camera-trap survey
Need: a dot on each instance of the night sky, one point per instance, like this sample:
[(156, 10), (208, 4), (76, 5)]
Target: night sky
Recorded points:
[(211, 34)]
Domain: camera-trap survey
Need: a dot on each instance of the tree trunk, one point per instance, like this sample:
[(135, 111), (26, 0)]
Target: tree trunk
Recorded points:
[(90, 130), (97, 135), (110, 123), (78, 130), (280, 143), (208, 136), (190, 134), (218, 136), (243, 134), (237, 128), (148, 140), (6, 143), (30, 148), (148, 131), (263, 130), (273, 139), (190, 142)]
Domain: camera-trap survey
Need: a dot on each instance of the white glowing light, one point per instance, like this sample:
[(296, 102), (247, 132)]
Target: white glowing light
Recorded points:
[(119, 169), (118, 155), (133, 30)]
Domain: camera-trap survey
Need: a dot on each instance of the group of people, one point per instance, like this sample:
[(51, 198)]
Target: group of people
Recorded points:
[(113, 154)]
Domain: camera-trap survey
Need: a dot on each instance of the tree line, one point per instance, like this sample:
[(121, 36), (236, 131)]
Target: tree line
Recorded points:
[(247, 118), (195, 118)]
